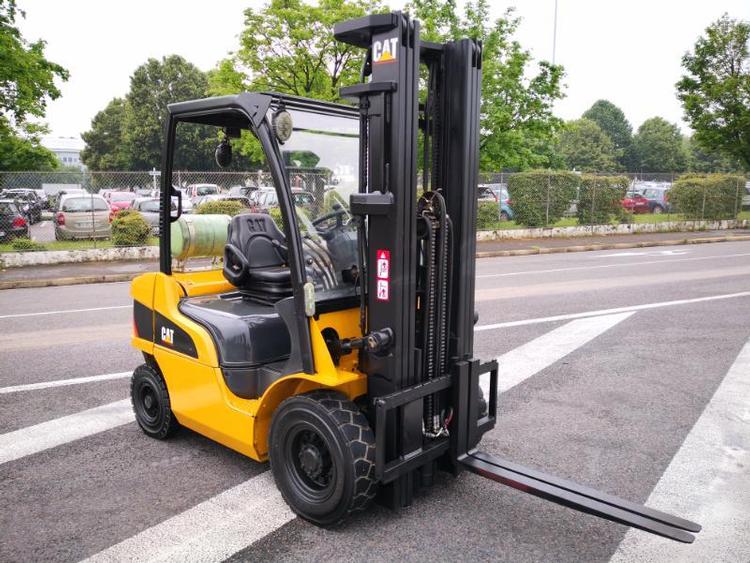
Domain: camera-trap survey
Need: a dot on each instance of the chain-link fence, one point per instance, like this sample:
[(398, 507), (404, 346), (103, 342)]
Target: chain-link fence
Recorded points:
[(77, 210)]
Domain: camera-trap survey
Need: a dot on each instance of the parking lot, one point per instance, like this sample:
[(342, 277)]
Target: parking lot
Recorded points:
[(627, 370)]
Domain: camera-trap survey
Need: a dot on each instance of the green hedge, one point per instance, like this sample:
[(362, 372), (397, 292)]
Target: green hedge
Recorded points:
[(130, 229), (600, 198), (708, 196), (226, 207), (24, 244), (487, 215), (541, 197)]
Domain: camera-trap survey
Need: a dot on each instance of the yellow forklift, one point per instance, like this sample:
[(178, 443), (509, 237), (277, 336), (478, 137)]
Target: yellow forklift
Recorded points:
[(335, 338)]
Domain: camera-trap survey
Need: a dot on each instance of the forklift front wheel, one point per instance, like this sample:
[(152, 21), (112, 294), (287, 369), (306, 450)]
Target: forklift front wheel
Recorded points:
[(150, 399), (322, 454)]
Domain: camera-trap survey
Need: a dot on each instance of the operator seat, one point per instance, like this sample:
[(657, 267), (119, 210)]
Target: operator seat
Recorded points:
[(255, 257)]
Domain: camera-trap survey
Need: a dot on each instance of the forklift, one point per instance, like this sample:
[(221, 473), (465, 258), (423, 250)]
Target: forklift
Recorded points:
[(338, 343)]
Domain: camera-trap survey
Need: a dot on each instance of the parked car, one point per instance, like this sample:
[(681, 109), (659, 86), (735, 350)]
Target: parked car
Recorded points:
[(43, 197), (28, 201), (746, 197), (194, 191), (120, 200), (502, 197), (242, 190), (658, 199), (265, 198), (634, 202), (13, 224), (149, 210), (82, 216)]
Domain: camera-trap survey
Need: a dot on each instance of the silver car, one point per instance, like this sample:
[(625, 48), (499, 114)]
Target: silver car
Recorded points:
[(149, 210), (82, 216)]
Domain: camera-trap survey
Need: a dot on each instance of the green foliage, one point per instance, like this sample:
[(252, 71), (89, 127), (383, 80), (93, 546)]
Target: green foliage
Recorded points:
[(129, 228), (27, 82), (586, 147), (613, 122), (518, 128), (600, 198), (153, 86), (288, 46), (27, 245), (105, 149), (27, 78), (487, 215), (128, 134), (705, 160), (659, 147), (275, 213), (708, 196), (541, 197), (715, 89), (221, 207), (22, 150)]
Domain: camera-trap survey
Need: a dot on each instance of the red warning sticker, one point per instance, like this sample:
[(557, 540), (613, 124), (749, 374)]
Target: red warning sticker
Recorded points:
[(383, 274)]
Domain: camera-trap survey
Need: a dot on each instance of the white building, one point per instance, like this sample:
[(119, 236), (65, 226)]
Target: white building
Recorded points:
[(67, 149)]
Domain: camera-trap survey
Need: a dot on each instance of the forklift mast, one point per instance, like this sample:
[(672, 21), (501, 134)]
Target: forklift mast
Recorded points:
[(418, 257)]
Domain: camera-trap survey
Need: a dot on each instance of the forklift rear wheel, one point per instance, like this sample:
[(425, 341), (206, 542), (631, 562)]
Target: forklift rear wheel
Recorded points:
[(322, 454), (150, 399)]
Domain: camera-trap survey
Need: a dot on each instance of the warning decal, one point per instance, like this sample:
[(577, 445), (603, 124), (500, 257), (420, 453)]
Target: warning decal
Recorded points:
[(383, 274)]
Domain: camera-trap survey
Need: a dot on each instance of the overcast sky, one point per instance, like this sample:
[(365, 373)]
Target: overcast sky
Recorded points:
[(626, 51)]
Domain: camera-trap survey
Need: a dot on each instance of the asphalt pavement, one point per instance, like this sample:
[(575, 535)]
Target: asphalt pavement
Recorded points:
[(625, 370)]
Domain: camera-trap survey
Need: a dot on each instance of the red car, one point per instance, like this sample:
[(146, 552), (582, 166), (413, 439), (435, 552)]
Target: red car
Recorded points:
[(634, 202), (120, 200)]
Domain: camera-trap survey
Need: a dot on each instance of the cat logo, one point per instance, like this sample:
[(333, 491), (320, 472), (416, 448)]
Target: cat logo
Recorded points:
[(167, 335), (384, 51)]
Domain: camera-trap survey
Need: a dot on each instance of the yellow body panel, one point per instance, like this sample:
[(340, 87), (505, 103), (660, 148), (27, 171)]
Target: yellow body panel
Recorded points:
[(198, 394)]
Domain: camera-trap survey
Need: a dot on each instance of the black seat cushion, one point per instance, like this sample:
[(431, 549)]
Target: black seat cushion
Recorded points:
[(255, 255), (247, 333)]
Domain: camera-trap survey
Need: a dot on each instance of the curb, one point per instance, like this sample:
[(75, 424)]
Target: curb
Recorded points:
[(111, 278), (607, 246), (54, 282)]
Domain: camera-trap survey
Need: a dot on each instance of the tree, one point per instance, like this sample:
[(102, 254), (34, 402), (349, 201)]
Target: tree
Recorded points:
[(658, 146), (153, 86), (23, 151), (27, 82), (703, 160), (587, 148), (715, 90), (612, 121), (105, 148), (288, 46), (517, 128)]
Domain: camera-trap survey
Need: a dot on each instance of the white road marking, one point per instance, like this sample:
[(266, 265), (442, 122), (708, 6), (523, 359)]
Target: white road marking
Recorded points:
[(707, 481), (34, 439), (210, 531), (19, 315), (521, 363), (620, 265), (631, 308), (64, 382), (643, 253)]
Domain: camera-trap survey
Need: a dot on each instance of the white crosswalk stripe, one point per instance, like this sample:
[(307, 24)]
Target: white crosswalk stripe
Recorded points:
[(64, 382), (707, 481), (34, 439)]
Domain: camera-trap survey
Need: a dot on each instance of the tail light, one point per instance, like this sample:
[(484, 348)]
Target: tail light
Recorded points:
[(19, 222), (60, 218), (111, 215), (509, 201)]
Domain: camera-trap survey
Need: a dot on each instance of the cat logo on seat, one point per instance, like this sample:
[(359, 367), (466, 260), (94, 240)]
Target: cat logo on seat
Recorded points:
[(385, 51)]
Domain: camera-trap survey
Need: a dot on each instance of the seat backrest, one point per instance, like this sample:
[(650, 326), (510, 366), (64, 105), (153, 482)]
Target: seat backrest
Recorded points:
[(250, 245)]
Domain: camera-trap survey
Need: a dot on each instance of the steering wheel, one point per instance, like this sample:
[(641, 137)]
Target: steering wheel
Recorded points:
[(336, 214)]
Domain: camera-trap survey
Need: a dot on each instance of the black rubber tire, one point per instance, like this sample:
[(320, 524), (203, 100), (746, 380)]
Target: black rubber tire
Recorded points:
[(657, 210), (504, 216), (344, 436), (150, 400)]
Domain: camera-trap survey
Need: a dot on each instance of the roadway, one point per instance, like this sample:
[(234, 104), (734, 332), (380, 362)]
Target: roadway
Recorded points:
[(624, 370)]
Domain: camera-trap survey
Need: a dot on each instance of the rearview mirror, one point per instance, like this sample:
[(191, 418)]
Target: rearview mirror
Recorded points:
[(223, 153)]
